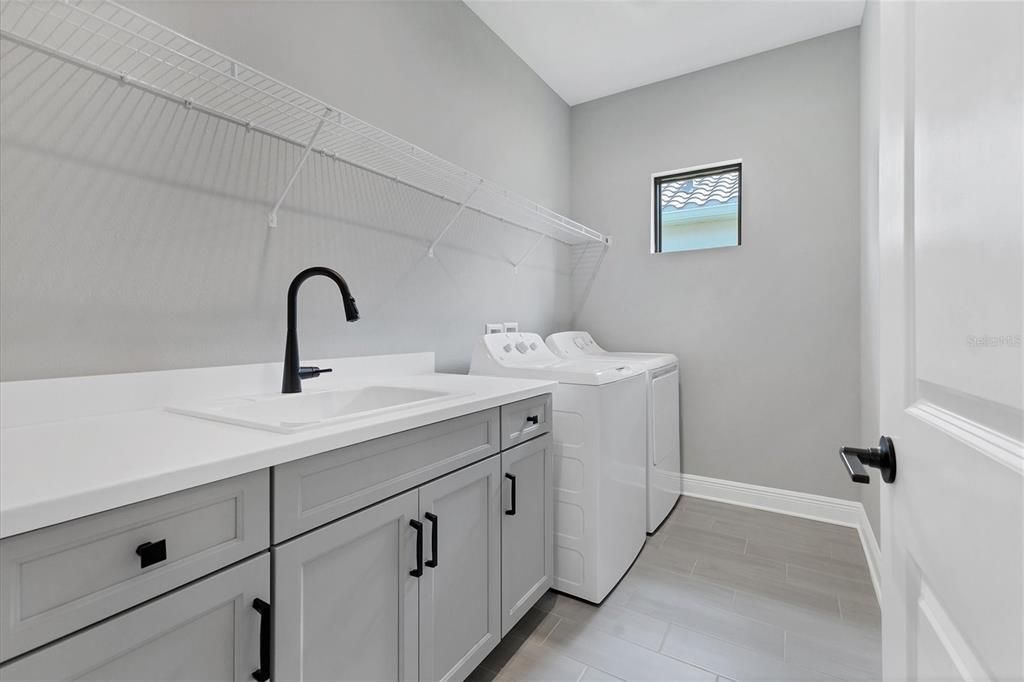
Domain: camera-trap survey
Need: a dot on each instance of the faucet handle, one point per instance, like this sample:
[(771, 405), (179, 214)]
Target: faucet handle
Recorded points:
[(312, 372)]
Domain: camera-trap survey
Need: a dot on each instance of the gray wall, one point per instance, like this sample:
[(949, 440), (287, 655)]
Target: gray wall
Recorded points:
[(133, 235), (869, 325), (767, 333)]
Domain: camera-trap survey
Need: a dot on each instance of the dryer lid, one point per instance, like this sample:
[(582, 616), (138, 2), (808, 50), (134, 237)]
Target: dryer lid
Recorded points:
[(580, 344)]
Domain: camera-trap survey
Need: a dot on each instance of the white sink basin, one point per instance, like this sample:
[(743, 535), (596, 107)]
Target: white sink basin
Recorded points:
[(299, 411)]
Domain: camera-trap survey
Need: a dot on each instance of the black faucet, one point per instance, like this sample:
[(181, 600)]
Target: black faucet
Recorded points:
[(293, 373)]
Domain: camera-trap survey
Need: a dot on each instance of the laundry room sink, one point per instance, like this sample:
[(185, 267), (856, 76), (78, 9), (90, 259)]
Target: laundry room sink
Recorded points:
[(299, 411)]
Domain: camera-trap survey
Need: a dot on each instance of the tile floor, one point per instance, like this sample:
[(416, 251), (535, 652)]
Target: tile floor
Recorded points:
[(719, 592)]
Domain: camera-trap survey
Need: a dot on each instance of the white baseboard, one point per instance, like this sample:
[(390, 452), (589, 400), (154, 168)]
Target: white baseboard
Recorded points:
[(816, 507)]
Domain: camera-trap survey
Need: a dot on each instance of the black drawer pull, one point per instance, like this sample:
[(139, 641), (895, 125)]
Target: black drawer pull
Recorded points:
[(432, 561), (533, 419), (418, 571), (262, 674), (151, 553), (512, 511)]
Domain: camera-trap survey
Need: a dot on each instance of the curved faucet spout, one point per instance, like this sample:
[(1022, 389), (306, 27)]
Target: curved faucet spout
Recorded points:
[(292, 380)]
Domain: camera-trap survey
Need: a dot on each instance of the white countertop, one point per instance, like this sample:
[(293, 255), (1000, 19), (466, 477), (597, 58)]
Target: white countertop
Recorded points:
[(73, 447)]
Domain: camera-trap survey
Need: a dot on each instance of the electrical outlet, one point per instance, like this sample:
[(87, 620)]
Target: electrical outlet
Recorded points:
[(493, 328), (511, 327)]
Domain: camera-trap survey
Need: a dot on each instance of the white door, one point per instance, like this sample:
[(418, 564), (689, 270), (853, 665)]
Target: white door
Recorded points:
[(460, 590), (527, 528), (345, 601), (951, 289)]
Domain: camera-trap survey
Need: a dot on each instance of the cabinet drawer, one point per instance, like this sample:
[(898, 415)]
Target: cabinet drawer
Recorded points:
[(316, 490), (525, 419), (62, 578), (207, 631)]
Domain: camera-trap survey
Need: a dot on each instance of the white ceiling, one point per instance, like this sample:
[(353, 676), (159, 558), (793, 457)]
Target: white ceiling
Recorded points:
[(585, 49)]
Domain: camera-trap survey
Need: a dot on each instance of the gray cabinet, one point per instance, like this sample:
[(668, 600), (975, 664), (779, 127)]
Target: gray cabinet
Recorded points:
[(525, 419), (346, 606), (60, 579), (387, 565), (527, 528), (460, 597), (206, 631), (316, 490)]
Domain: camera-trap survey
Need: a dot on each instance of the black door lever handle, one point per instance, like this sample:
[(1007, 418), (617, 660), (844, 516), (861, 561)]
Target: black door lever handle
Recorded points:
[(882, 458)]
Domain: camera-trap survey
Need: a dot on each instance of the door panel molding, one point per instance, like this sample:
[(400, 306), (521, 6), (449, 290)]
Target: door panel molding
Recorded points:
[(934, 617), (980, 438)]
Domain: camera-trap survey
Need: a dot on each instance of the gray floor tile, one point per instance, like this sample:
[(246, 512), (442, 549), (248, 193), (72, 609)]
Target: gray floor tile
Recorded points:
[(740, 572), (632, 626), (800, 619), (535, 661), (618, 657), (595, 675), (849, 660), (816, 562), (854, 554), (827, 582), (668, 558), (720, 591), (780, 537), (660, 584), (728, 659), (696, 538), (535, 626), (687, 518), (764, 519), (861, 612), (715, 621)]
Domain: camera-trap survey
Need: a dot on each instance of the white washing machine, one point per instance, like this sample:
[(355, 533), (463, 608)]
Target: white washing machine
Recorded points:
[(599, 429), (664, 463)]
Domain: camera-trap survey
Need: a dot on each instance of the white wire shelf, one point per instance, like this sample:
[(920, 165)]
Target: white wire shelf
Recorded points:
[(114, 41)]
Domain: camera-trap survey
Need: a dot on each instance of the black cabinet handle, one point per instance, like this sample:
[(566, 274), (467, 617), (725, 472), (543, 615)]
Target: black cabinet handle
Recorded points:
[(432, 562), (512, 511), (151, 553), (262, 674), (882, 458), (418, 571), (533, 419)]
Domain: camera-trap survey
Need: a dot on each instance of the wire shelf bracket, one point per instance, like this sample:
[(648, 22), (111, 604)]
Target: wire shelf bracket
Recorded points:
[(272, 216), (529, 252), (458, 212), (113, 41)]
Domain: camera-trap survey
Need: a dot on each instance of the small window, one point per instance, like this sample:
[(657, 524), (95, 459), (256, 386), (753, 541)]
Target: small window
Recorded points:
[(697, 209)]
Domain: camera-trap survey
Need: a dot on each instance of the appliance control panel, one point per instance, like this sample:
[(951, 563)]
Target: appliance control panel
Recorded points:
[(573, 344), (518, 349)]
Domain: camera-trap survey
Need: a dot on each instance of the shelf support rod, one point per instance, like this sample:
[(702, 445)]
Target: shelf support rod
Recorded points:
[(272, 216), (458, 212), (515, 268)]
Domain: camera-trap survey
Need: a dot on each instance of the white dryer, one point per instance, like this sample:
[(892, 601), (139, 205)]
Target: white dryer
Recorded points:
[(599, 429), (664, 463)]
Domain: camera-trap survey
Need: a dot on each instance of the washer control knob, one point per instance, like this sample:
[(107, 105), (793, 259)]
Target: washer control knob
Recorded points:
[(522, 347), (533, 346), (580, 343), (507, 348)]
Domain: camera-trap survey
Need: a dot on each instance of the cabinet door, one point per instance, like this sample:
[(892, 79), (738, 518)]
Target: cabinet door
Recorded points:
[(527, 528), (206, 631), (460, 609), (345, 602)]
